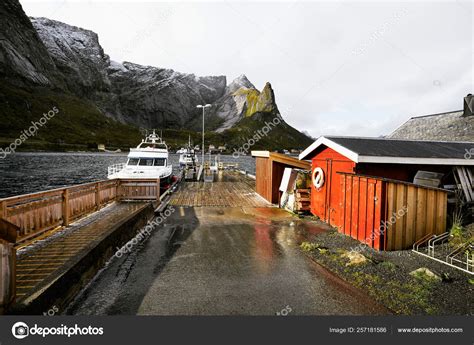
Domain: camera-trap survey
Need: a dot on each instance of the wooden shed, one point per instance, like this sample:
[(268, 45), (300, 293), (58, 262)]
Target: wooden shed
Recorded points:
[(360, 183), (269, 168)]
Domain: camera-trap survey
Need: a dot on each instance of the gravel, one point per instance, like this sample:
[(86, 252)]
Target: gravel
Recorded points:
[(386, 275)]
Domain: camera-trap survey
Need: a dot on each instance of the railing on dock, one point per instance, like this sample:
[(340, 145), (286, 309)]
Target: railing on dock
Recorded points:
[(37, 213), (27, 216)]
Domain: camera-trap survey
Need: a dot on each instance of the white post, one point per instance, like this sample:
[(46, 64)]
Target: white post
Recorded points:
[(203, 112)]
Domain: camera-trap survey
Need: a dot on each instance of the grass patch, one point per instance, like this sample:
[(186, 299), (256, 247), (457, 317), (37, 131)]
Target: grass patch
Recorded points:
[(308, 246)]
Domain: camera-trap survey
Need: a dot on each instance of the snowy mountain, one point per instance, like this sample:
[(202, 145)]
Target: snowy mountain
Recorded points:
[(44, 56)]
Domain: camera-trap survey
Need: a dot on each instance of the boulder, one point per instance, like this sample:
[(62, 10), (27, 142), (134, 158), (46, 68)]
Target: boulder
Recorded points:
[(354, 257), (425, 274)]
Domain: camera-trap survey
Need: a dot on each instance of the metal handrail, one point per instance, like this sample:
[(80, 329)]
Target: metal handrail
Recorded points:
[(437, 238), (417, 244)]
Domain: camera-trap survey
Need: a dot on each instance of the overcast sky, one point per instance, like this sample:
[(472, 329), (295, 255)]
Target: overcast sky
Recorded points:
[(347, 68)]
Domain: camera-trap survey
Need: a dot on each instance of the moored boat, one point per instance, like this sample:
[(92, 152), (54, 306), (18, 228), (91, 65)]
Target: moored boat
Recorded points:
[(188, 157), (148, 160)]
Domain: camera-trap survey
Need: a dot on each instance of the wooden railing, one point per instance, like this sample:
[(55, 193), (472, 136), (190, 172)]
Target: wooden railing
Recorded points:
[(37, 213), (8, 234)]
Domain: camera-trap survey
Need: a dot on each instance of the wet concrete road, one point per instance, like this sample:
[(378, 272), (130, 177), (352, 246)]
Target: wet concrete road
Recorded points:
[(221, 261)]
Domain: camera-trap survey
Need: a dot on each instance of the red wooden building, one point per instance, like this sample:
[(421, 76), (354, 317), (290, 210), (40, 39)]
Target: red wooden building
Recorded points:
[(363, 186)]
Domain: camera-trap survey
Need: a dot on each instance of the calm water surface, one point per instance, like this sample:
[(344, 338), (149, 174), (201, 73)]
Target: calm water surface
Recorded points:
[(29, 172)]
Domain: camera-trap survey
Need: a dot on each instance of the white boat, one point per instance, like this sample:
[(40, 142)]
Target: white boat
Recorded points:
[(148, 160), (188, 157)]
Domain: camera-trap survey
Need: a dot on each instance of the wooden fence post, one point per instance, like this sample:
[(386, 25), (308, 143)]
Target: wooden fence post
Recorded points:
[(3, 209), (118, 190), (7, 275), (66, 207), (158, 190), (97, 195)]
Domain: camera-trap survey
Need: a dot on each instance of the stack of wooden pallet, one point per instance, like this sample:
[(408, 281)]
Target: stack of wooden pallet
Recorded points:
[(464, 177), (302, 200)]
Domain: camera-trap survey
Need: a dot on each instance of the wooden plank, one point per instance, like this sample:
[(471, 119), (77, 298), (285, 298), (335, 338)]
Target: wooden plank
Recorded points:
[(348, 208), (441, 212), (372, 232), (466, 188), (468, 182), (400, 222), (410, 223), (390, 228), (421, 230), (470, 176), (343, 205), (3, 209), (66, 207), (97, 195), (430, 211), (362, 211)]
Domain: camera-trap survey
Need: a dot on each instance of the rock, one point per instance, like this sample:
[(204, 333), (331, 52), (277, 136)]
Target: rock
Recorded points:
[(355, 258), (24, 59), (242, 99), (77, 54), (425, 274)]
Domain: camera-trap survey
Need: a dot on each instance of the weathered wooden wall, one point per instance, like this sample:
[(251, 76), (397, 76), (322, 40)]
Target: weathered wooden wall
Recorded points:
[(425, 213), (269, 172), (263, 177), (390, 215), (362, 209)]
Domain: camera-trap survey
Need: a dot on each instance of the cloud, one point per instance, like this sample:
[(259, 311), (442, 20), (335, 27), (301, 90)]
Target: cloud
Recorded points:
[(411, 58)]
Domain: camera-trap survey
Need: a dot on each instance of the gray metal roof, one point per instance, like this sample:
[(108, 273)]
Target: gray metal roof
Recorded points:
[(383, 150), (383, 147), (452, 126)]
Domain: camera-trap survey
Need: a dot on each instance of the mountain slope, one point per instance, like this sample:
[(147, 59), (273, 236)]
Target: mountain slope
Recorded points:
[(52, 63), (24, 59)]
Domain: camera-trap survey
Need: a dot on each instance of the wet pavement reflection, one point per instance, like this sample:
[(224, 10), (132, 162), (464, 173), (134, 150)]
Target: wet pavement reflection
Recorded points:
[(222, 261)]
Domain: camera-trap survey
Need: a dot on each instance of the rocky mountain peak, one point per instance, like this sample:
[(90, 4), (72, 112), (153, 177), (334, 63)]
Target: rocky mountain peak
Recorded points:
[(77, 53), (239, 82)]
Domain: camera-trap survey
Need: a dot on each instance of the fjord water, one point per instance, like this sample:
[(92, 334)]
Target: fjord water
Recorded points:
[(29, 172)]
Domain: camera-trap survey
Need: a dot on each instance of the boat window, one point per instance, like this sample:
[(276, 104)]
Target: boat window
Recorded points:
[(132, 161), (160, 162), (146, 162)]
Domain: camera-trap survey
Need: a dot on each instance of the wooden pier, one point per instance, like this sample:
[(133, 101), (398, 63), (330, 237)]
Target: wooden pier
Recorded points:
[(230, 189), (52, 242)]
